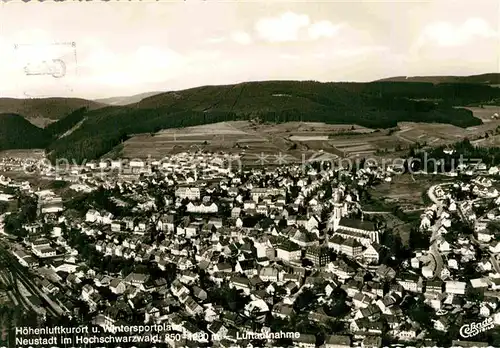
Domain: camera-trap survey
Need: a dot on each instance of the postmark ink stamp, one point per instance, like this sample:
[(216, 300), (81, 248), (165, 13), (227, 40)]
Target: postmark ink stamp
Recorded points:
[(46, 68)]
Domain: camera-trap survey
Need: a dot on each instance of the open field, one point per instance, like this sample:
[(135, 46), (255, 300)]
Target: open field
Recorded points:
[(486, 113), (436, 134), (432, 134), (359, 148), (295, 139), (298, 139), (306, 128), (407, 190), (308, 138), (223, 128), (250, 140)]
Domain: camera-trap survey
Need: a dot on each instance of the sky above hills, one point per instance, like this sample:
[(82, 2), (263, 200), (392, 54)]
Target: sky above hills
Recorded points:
[(115, 49)]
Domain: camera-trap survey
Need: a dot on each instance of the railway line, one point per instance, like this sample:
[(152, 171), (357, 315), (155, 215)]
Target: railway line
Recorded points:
[(18, 274)]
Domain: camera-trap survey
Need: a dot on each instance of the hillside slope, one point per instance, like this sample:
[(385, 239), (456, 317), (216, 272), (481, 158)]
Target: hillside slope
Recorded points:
[(17, 133), (66, 123), (279, 95)]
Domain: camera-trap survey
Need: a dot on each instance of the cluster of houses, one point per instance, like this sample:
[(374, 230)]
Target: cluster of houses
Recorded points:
[(460, 265), (273, 236)]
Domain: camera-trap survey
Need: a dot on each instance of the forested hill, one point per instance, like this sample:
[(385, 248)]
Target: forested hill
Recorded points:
[(87, 133), (262, 95), (17, 133)]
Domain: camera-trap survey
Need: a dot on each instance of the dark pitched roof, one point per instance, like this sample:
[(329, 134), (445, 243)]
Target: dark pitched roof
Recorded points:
[(289, 246), (351, 242), (317, 251), (358, 224), (247, 264), (337, 239)]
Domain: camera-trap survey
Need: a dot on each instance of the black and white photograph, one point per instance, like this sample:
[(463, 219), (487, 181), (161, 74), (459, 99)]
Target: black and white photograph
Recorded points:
[(249, 174)]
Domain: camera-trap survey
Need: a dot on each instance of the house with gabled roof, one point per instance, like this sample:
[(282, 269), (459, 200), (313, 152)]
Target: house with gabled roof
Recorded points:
[(351, 247), (218, 330), (434, 286), (372, 253), (364, 325), (318, 255), (442, 323), (240, 283), (166, 223), (455, 287), (117, 286), (192, 307), (199, 293), (341, 269), (409, 281), (247, 267), (136, 279), (304, 238), (288, 251)]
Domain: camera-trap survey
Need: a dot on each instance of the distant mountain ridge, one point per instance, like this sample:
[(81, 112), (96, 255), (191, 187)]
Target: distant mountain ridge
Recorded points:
[(487, 79), (126, 100)]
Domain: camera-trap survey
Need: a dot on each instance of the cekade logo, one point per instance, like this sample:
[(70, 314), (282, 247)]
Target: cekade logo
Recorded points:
[(474, 329)]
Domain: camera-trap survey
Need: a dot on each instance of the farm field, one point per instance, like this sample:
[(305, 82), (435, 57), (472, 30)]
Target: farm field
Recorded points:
[(306, 128), (308, 138), (490, 116), (406, 190), (434, 134), (252, 141), (229, 128), (296, 140), (486, 113)]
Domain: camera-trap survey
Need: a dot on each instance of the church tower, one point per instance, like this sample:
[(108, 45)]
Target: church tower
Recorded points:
[(339, 211)]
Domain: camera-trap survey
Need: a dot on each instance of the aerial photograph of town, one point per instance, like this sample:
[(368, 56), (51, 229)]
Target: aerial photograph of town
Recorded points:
[(250, 174)]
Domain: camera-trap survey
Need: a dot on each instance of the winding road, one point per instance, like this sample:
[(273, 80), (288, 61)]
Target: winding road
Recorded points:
[(433, 249)]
